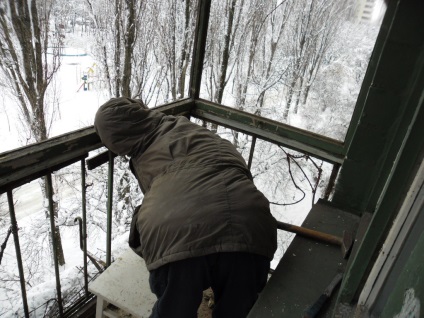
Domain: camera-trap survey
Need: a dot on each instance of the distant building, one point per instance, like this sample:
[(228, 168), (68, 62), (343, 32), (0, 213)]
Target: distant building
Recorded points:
[(369, 11)]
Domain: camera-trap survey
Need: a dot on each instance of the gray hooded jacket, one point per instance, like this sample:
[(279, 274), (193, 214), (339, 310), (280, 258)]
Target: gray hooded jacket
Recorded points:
[(199, 197)]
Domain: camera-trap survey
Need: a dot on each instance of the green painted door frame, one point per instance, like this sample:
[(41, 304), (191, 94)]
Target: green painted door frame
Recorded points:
[(385, 147)]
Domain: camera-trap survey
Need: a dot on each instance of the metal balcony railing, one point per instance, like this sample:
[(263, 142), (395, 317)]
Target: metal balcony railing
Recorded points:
[(25, 164)]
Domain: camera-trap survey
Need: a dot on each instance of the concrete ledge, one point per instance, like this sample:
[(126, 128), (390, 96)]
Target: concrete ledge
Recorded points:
[(307, 267)]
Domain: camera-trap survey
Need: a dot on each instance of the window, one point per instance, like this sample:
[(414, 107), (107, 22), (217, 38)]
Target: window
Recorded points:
[(297, 62)]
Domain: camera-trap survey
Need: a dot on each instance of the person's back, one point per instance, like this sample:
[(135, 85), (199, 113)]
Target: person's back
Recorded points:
[(200, 199)]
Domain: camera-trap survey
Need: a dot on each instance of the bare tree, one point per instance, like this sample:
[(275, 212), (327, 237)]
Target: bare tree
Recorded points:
[(269, 66), (115, 41), (313, 31), (143, 57), (149, 75), (232, 23), (25, 38), (245, 65), (186, 47), (265, 45), (245, 47), (220, 56), (174, 29)]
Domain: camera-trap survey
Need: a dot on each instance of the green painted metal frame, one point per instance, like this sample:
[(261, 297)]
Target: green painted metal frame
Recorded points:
[(84, 224), (398, 181), (325, 148), (20, 166), (319, 146), (49, 184), (109, 208), (388, 142), (182, 107), (14, 225), (202, 22)]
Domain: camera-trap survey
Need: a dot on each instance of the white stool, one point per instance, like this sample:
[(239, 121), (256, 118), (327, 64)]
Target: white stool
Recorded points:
[(125, 284)]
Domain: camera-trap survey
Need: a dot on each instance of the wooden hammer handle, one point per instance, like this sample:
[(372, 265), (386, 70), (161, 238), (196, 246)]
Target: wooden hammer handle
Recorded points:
[(323, 237)]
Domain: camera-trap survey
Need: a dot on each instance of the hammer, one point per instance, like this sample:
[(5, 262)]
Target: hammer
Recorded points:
[(344, 242)]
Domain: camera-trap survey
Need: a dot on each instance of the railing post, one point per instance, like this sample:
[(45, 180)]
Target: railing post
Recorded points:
[(84, 224), (199, 47), (49, 184), (18, 250), (252, 150), (332, 180), (109, 209)]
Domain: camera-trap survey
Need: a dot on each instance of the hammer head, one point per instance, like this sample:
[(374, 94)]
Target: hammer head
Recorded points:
[(347, 243)]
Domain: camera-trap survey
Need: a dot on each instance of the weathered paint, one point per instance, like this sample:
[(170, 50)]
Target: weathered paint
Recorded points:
[(384, 175), (301, 140), (389, 94), (408, 294), (28, 163)]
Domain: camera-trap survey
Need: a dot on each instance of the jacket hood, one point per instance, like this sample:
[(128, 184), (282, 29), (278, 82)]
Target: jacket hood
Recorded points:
[(123, 123)]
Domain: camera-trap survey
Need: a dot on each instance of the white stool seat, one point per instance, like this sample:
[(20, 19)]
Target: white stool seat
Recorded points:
[(125, 284)]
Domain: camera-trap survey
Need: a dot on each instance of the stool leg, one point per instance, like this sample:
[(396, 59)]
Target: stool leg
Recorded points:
[(99, 307)]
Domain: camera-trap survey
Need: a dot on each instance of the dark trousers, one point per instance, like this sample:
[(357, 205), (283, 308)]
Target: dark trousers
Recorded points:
[(235, 278)]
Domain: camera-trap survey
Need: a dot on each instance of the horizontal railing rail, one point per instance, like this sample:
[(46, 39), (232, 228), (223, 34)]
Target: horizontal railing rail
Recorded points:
[(25, 164), (304, 141)]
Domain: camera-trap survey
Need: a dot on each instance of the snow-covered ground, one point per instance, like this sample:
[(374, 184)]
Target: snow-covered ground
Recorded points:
[(77, 106)]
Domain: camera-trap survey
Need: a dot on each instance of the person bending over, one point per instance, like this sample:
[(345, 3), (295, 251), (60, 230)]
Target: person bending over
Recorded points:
[(202, 223)]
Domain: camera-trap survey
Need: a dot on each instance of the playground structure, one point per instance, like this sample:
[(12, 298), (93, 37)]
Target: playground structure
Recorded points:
[(89, 76)]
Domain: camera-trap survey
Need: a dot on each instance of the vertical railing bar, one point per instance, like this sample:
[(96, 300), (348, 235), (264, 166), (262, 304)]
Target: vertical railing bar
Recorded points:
[(54, 243), (332, 181), (252, 150), (84, 224), (18, 250), (202, 22), (109, 210)]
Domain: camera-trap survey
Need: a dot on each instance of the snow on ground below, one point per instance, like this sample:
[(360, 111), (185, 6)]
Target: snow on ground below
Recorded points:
[(77, 106)]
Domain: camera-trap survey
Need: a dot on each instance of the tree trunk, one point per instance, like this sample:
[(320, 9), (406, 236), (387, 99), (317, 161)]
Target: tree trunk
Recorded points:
[(25, 40), (118, 11), (225, 55), (272, 48), (173, 55), (129, 47), (185, 51), (298, 95), (107, 72), (289, 99)]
